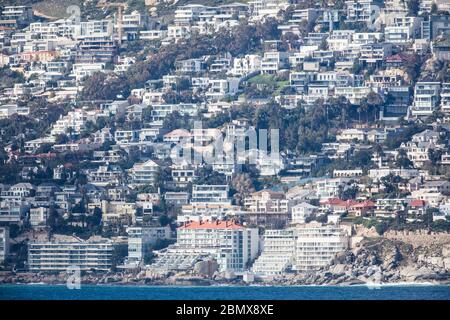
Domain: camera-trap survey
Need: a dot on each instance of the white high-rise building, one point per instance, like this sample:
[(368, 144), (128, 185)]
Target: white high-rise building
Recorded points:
[(302, 248), (140, 240), (210, 193), (278, 253), (316, 245), (233, 246), (58, 256), (4, 243), (426, 98), (145, 173)]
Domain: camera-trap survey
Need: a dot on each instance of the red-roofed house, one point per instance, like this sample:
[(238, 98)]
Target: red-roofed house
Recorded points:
[(417, 207), (364, 208), (351, 206), (398, 60)]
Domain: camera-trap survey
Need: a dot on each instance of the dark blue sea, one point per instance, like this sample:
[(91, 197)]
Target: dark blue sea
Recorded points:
[(101, 292)]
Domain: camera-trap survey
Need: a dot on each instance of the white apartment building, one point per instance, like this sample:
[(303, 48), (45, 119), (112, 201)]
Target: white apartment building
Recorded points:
[(426, 97), (301, 248), (375, 53), (301, 211), (187, 15), (245, 65), (377, 174), (221, 88), (274, 61), (12, 211), (83, 70), (278, 253), (93, 29), (360, 11), (4, 244), (330, 188), (351, 135), (73, 123), (207, 211), (144, 173), (210, 193), (445, 98), (108, 175), (267, 201), (59, 256), (7, 110), (340, 39), (266, 8), (233, 246), (353, 94), (182, 174), (390, 207), (403, 30), (38, 216), (140, 240), (115, 210), (316, 245)]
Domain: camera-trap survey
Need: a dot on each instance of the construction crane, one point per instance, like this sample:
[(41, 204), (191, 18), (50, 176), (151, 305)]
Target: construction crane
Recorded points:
[(120, 7)]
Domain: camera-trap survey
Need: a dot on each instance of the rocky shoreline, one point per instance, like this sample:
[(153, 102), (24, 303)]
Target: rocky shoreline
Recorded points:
[(373, 261)]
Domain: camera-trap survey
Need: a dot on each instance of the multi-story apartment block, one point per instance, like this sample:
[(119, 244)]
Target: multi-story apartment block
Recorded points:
[(144, 173), (7, 110), (4, 244), (39, 216), (210, 193), (303, 248), (375, 53), (277, 254), (73, 123), (140, 240), (105, 175), (361, 11), (330, 188), (246, 65), (316, 245), (390, 207), (59, 256), (267, 201), (403, 30), (445, 97), (426, 98), (274, 61), (233, 246), (266, 8), (302, 211)]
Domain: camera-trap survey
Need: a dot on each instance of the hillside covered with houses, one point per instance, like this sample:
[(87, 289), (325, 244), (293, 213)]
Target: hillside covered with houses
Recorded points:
[(225, 141)]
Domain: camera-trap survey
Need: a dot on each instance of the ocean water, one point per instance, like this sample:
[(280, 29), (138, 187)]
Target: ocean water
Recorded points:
[(105, 292)]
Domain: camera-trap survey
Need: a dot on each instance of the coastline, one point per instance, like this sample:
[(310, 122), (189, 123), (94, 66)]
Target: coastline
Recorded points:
[(108, 280)]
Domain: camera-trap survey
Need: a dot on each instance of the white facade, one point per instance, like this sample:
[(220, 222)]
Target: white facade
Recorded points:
[(145, 173), (302, 248), (317, 245), (210, 193), (4, 243), (140, 240), (426, 97), (301, 211), (58, 256), (278, 253), (233, 246), (38, 216)]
